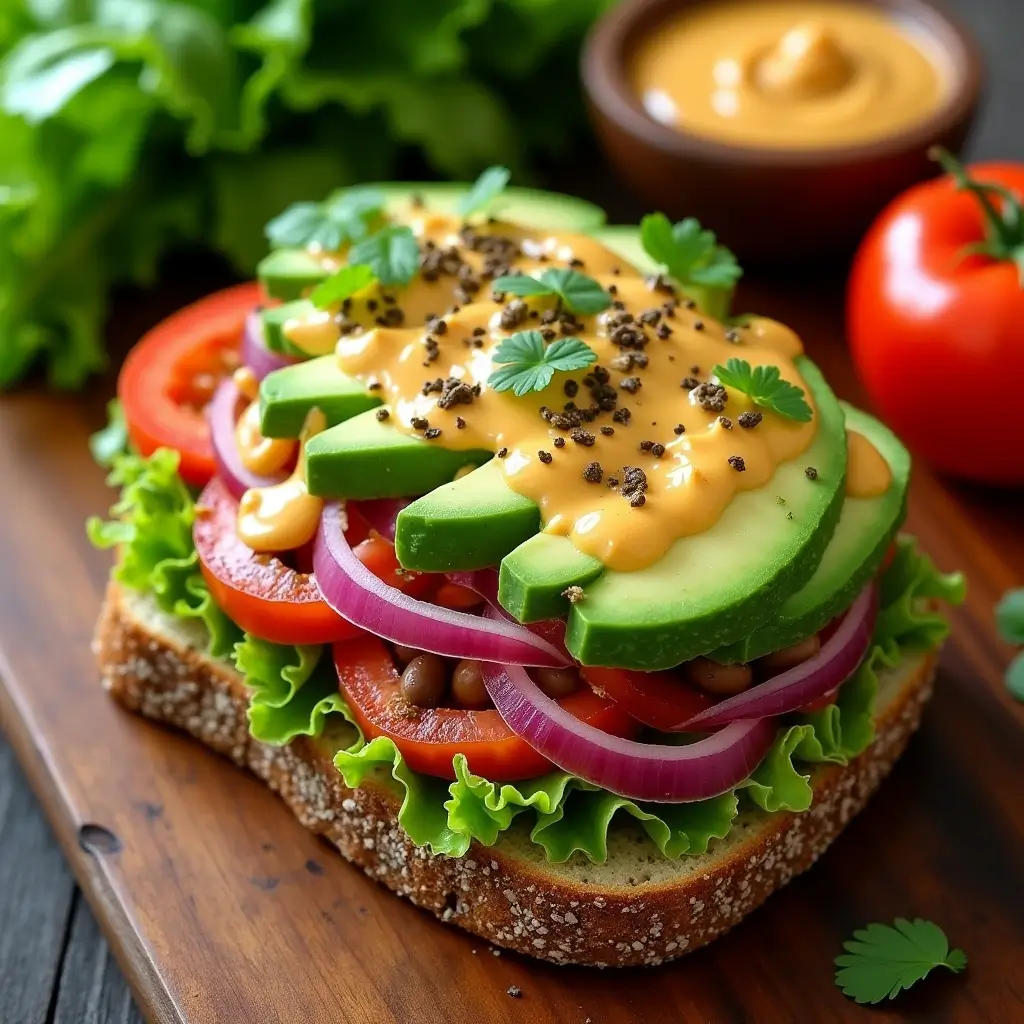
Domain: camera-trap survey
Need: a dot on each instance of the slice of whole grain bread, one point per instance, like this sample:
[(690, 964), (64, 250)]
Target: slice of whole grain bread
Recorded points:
[(636, 908)]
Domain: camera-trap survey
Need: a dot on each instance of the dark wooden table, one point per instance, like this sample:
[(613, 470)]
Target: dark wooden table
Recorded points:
[(55, 965)]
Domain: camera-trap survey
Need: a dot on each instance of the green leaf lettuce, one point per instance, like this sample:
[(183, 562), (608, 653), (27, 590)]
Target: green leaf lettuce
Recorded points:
[(151, 526), (294, 692)]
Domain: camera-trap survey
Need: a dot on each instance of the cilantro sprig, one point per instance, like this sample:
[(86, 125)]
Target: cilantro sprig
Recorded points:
[(1010, 621), (529, 364), (576, 292), (882, 960), (341, 285), (392, 253), (765, 387), (342, 217), (690, 253), (484, 190)]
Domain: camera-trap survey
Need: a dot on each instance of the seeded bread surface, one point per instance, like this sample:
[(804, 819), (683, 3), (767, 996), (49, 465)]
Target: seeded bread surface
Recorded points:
[(637, 908)]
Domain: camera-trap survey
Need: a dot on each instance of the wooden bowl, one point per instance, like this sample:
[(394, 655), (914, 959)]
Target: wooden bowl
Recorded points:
[(768, 204)]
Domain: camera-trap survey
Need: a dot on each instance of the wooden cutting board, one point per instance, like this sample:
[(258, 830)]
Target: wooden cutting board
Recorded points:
[(220, 907)]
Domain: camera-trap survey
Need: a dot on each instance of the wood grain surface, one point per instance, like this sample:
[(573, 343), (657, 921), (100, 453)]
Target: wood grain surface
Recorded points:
[(219, 907)]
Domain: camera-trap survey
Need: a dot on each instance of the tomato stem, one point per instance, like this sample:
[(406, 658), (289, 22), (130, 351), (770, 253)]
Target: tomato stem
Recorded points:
[(1004, 228)]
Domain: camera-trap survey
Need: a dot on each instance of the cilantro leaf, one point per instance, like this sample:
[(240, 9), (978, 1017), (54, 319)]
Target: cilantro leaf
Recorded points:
[(1015, 677), (1010, 616), (393, 254), (884, 960), (341, 285), (342, 217), (529, 365), (112, 440), (484, 190), (690, 253), (577, 292), (765, 387)]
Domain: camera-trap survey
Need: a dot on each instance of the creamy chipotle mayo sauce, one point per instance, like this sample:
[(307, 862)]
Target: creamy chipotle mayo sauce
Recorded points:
[(623, 457), (789, 73), (867, 473)]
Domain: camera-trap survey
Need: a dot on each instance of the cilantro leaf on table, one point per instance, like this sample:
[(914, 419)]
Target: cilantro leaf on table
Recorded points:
[(484, 190), (342, 285), (765, 387), (343, 217), (577, 292), (1010, 616), (1015, 677), (393, 254), (1010, 622), (529, 365), (691, 254), (882, 960)]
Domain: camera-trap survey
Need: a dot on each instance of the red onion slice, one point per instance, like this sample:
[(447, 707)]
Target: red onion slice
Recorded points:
[(637, 771), (837, 660), (255, 353), (481, 581), (222, 417), (359, 596), (485, 583)]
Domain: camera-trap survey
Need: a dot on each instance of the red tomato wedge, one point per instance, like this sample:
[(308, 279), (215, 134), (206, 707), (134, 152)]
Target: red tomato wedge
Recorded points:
[(259, 592), (658, 699), (429, 738), (270, 599), (170, 375)]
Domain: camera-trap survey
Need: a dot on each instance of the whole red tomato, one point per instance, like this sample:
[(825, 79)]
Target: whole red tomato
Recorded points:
[(935, 318)]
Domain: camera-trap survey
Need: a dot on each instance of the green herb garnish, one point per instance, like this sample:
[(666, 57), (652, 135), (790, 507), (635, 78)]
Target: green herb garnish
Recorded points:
[(342, 217), (1010, 621), (576, 292), (1010, 616), (393, 254), (690, 253), (883, 960), (484, 190), (765, 387), (342, 285), (530, 364), (112, 440)]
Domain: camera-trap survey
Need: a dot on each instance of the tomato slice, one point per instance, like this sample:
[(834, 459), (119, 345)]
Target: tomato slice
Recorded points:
[(377, 553), (259, 592), (170, 375), (658, 699), (430, 737), (270, 599)]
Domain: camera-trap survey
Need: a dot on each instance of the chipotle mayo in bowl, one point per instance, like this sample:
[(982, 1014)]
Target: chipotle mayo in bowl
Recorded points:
[(788, 124), (789, 73)]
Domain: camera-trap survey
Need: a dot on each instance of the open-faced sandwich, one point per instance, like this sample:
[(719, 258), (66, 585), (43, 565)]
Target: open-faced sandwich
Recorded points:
[(560, 600)]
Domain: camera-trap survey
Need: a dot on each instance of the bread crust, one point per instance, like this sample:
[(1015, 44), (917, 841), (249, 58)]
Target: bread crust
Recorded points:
[(507, 894)]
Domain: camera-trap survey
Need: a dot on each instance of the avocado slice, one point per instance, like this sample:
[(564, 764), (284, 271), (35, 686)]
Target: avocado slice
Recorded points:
[(275, 317), (532, 579), (624, 240), (469, 523), (287, 396), (289, 273), (865, 529), (531, 207), (716, 587), (366, 458)]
